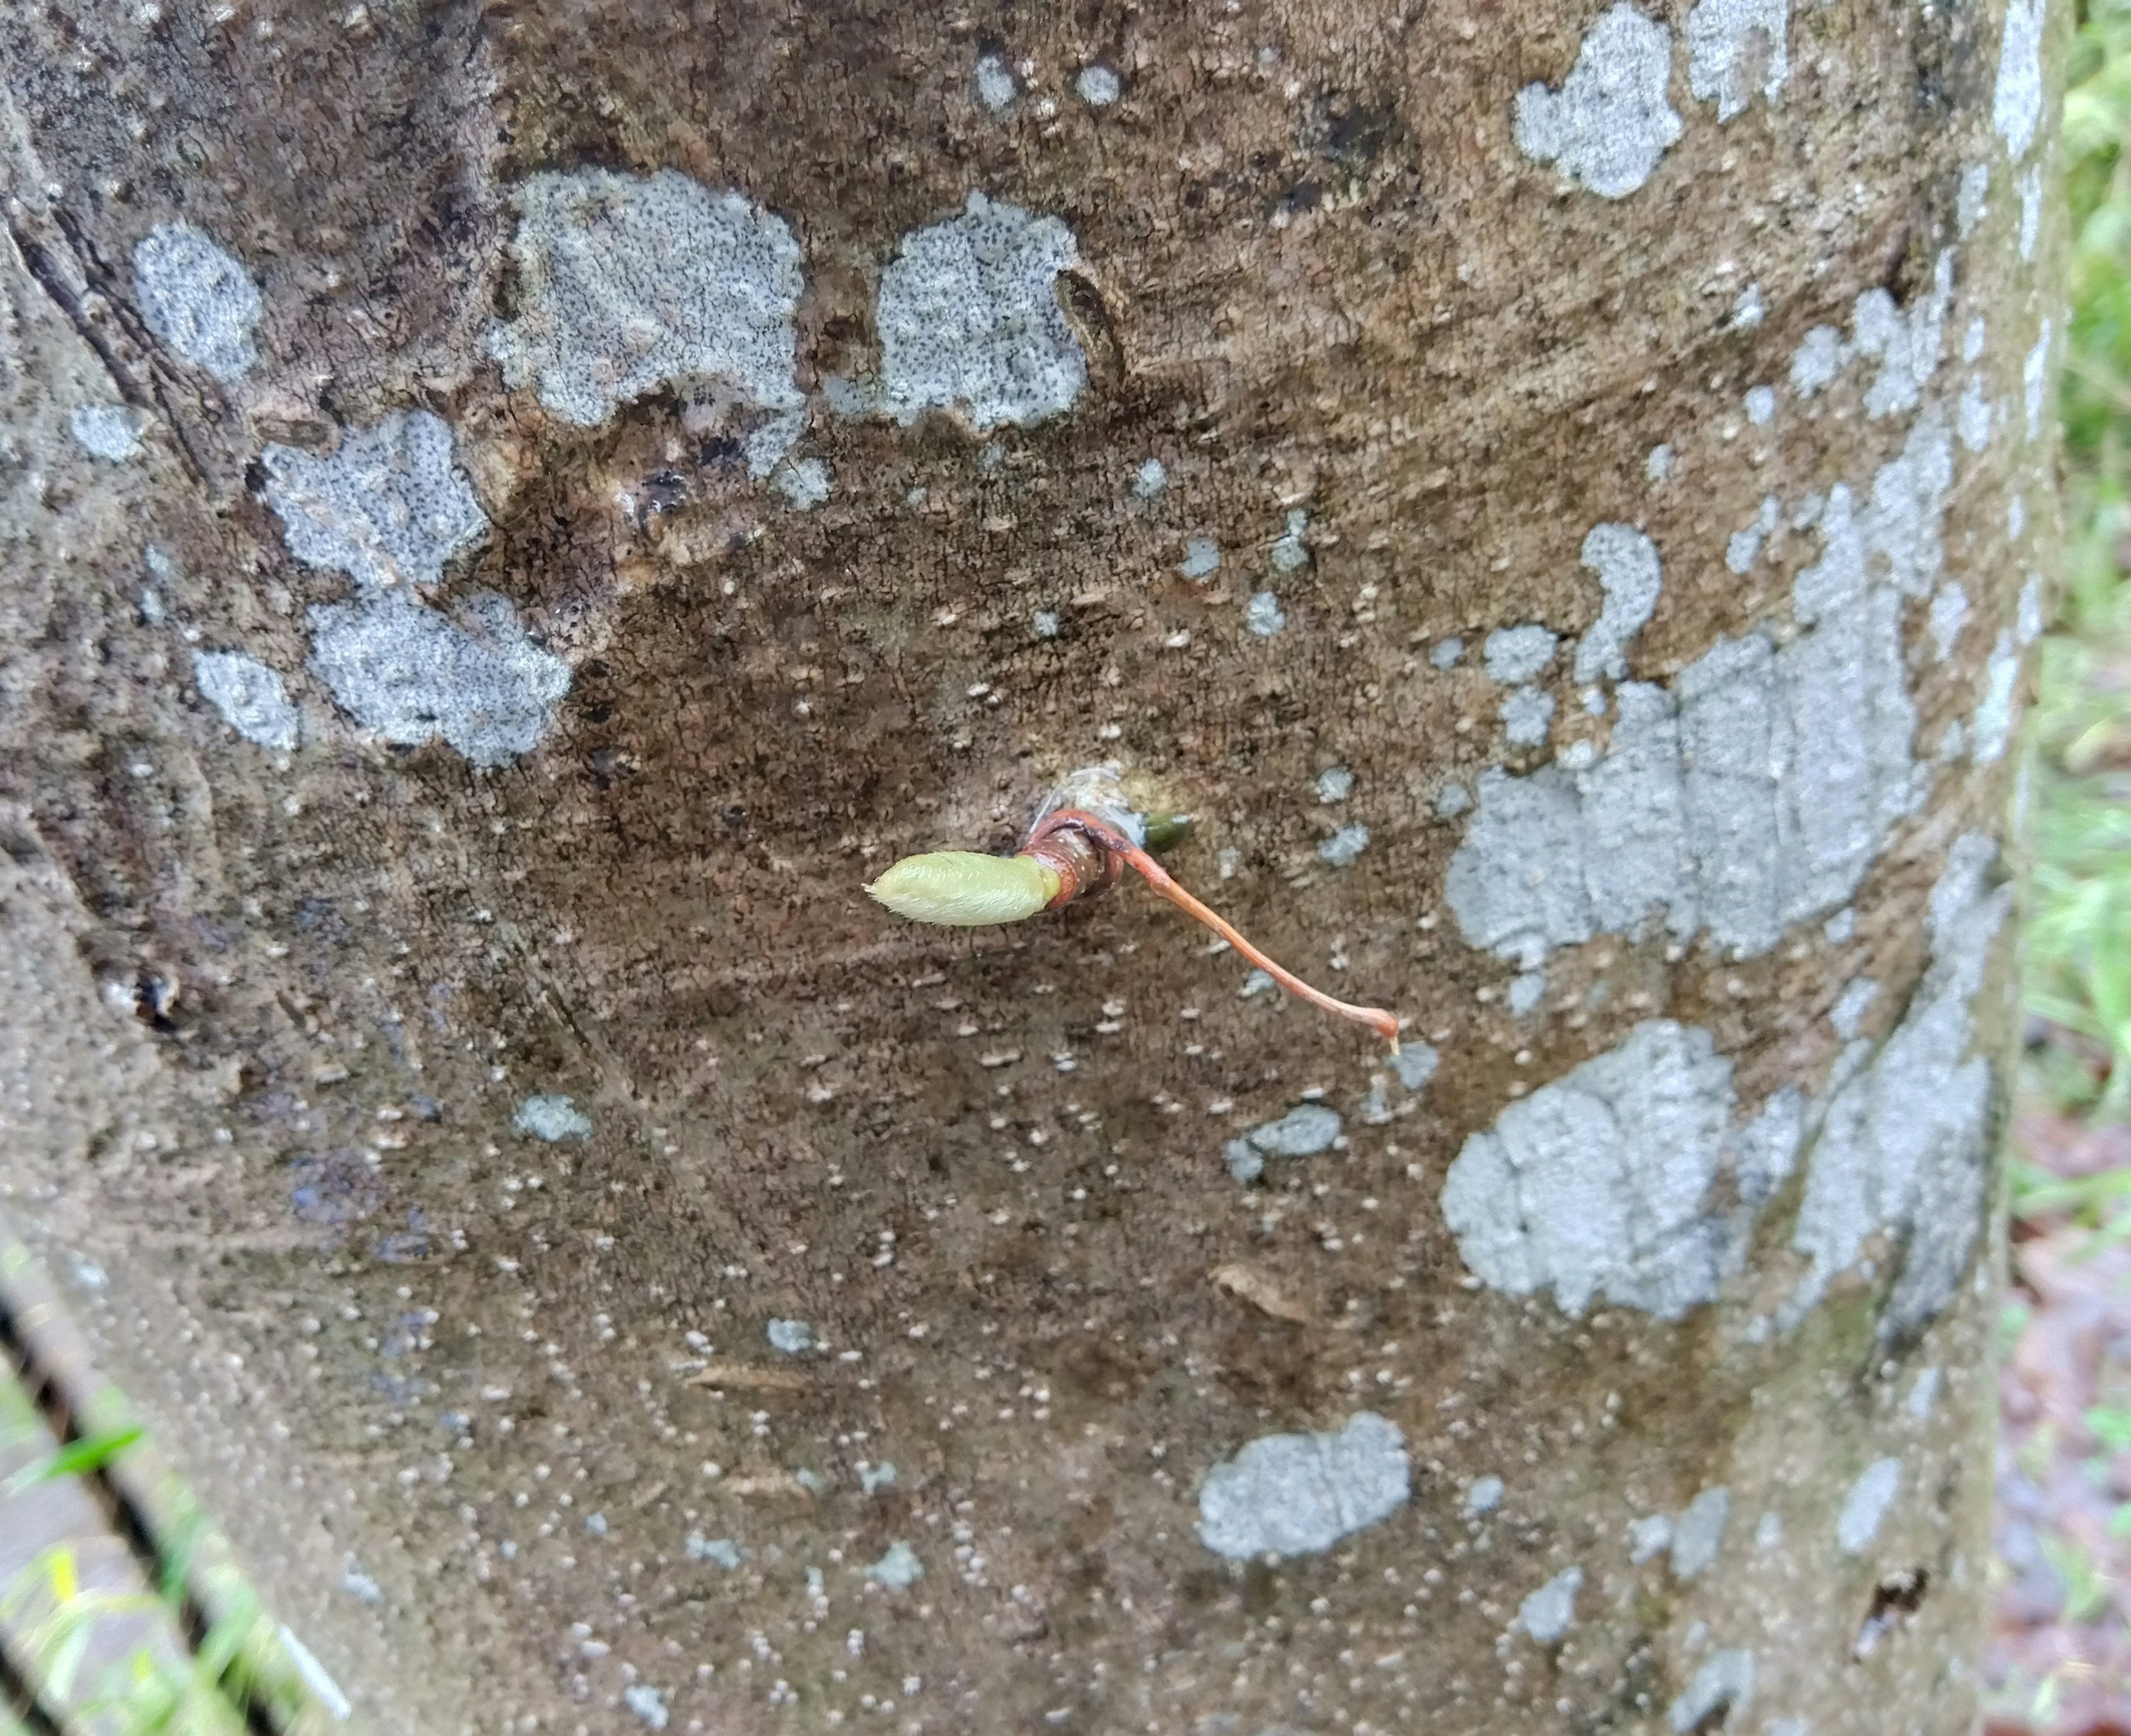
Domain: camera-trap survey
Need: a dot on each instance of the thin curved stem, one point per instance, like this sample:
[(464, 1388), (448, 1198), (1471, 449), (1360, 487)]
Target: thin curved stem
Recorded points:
[(1385, 1024)]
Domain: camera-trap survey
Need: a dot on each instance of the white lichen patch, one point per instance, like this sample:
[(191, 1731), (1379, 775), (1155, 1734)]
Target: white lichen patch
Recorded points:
[(109, 431), (2030, 189), (1202, 559), (196, 296), (1847, 1014), (250, 698), (1907, 342), (1744, 547), (1303, 1132), (1969, 200), (1736, 47), (1603, 1183), (1415, 1063), (791, 1337), (2016, 104), (1548, 1613), (1345, 846), (1527, 715), (1263, 615), (1483, 1494), (995, 82), (627, 283), (899, 1568), (1761, 405), (1514, 655), (968, 319), (409, 673), (804, 482), (1150, 479), (1972, 418), (1649, 1538), (1758, 790), (1865, 1507), (2034, 376), (1299, 1495), (1718, 1696), (552, 1117), (1993, 723), (1099, 87), (1334, 784), (648, 1703), (1609, 123), (1903, 1144), (1821, 354), (1698, 1533), (391, 506), (2027, 612)]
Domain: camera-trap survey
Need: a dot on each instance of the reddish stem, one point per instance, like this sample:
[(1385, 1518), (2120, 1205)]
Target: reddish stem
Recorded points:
[(1053, 843)]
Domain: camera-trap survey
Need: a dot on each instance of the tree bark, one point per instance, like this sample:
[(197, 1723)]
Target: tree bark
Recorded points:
[(515, 512)]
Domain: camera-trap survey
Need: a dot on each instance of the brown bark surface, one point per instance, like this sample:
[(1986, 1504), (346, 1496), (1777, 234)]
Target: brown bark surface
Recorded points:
[(272, 1016)]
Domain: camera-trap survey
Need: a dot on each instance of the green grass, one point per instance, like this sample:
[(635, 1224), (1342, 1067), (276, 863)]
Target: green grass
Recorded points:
[(2079, 930)]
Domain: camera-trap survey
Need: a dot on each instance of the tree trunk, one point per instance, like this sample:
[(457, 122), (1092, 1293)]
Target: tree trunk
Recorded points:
[(516, 512)]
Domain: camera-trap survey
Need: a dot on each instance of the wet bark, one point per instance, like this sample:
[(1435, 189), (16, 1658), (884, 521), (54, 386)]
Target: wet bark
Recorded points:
[(469, 1099)]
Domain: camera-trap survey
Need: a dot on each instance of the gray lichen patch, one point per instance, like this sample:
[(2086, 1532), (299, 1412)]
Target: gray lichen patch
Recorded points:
[(108, 431), (1609, 123), (1548, 1613), (1821, 354), (1516, 654), (250, 696), (968, 319), (1299, 1495), (1908, 342), (1698, 1532), (1345, 846), (1527, 714), (626, 283), (391, 506), (1718, 1696), (994, 83), (1865, 1506), (1303, 1132), (1629, 576), (1903, 1144), (792, 1337), (1602, 1182), (409, 673), (2016, 104), (899, 1568), (553, 1117), (1758, 790), (1736, 47), (196, 295)]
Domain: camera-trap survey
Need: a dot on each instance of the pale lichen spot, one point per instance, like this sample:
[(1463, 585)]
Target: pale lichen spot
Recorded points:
[(1202, 559), (1718, 1696), (1658, 465), (1969, 200), (1993, 711), (1514, 655), (1821, 354), (2034, 376), (1299, 1495), (1865, 1507), (1903, 1141), (391, 507), (899, 1568), (1099, 87), (552, 1117), (1527, 715), (2016, 104), (1548, 1613), (409, 673), (1698, 1534), (1629, 577), (1949, 611), (1263, 615), (1150, 479), (2030, 189), (108, 431), (1609, 123), (804, 482), (1602, 1182), (791, 1337), (250, 696), (969, 322), (627, 283), (1761, 405), (196, 295), (995, 83), (1483, 1494), (1340, 850), (1736, 47)]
